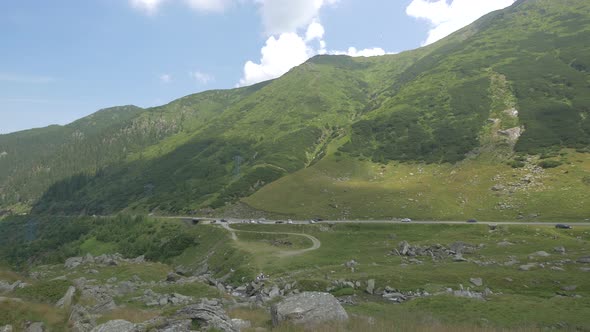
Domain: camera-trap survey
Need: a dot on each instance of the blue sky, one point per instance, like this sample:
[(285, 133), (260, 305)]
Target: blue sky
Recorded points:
[(63, 59)]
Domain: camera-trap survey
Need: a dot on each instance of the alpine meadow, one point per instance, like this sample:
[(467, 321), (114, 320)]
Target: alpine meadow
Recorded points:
[(142, 213)]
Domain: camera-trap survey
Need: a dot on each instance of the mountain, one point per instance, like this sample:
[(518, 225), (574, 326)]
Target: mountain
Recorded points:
[(490, 122)]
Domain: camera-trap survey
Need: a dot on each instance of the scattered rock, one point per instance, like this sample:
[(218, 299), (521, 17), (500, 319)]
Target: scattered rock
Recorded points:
[(436, 252), (209, 315), (351, 264), (512, 134), (173, 277), (498, 187), (66, 300), (539, 254), (459, 258), (35, 327), (241, 324), (118, 325), (527, 267), (81, 320), (476, 281), (570, 288), (370, 286), (584, 260), (505, 244), (6, 328), (73, 262), (308, 308), (559, 250)]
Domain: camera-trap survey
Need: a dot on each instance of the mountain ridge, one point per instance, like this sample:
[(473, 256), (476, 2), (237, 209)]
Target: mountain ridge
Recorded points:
[(511, 85)]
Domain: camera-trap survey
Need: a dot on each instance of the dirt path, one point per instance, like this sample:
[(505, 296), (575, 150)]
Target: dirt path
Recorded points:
[(287, 253)]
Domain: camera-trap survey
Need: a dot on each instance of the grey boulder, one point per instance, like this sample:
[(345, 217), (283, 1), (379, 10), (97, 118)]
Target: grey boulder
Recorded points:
[(118, 325), (209, 314), (308, 308)]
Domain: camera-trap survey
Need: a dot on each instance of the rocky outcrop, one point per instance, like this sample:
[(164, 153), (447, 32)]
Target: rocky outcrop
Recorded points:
[(102, 260), (66, 300), (370, 286), (6, 328), (209, 314), (476, 281), (35, 327), (6, 287), (81, 320), (308, 308), (436, 252), (152, 299), (118, 325)]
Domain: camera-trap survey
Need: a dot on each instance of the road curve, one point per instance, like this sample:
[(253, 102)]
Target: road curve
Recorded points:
[(316, 243)]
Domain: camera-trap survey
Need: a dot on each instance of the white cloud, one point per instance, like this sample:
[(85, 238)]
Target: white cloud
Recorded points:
[(201, 77), (314, 31), (148, 6), (448, 16), (165, 78), (278, 56), (285, 16), (209, 5)]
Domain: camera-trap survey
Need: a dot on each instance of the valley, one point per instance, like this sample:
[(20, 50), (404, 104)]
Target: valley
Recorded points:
[(388, 277)]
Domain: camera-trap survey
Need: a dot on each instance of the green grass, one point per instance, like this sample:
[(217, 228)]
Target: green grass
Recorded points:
[(370, 245), (431, 105), (341, 188), (44, 291), (94, 247)]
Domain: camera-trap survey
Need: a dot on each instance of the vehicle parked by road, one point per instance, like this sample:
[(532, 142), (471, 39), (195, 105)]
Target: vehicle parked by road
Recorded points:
[(563, 226), (472, 221), (406, 220)]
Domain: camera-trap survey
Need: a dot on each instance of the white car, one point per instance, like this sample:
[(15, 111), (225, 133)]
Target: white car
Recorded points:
[(290, 222), (406, 220)]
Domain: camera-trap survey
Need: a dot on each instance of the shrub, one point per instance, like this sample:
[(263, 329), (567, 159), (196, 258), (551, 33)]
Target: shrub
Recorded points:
[(516, 164), (550, 163)]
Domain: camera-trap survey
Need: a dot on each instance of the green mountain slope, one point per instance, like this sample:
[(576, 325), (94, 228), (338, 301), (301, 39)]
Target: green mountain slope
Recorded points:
[(498, 100)]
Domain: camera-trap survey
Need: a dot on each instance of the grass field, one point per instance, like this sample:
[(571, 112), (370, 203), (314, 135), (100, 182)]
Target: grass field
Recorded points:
[(344, 188), (524, 299)]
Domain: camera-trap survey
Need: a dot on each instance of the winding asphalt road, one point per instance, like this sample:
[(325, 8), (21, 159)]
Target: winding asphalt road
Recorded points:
[(393, 222), (316, 244)]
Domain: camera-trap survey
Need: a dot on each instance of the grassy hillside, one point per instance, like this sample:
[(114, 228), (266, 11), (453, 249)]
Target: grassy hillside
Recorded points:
[(497, 99)]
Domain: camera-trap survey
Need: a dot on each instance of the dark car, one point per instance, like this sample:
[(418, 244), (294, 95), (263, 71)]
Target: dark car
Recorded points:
[(472, 221), (279, 222), (223, 220), (563, 226)]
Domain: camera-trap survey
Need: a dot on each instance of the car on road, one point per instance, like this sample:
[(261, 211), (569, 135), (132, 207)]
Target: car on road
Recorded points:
[(471, 221), (279, 222), (223, 220), (563, 226), (253, 221), (290, 222), (312, 221), (406, 220)]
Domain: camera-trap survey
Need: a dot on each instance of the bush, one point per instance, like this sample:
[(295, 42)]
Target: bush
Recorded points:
[(516, 164), (550, 163), (45, 291)]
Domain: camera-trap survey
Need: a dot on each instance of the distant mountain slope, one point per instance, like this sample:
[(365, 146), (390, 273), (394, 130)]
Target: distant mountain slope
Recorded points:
[(35, 159), (514, 83)]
